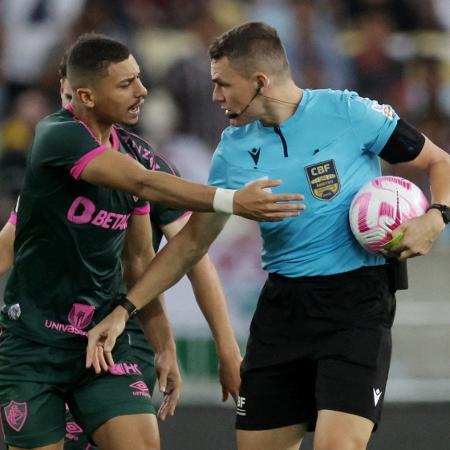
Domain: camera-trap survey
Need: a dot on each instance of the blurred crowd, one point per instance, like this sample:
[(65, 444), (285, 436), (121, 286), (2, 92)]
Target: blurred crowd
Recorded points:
[(395, 51)]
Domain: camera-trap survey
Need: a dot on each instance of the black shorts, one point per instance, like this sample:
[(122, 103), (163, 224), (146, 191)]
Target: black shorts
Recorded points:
[(315, 343)]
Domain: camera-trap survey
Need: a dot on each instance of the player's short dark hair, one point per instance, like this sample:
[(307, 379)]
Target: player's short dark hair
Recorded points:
[(90, 56), (62, 68), (250, 47)]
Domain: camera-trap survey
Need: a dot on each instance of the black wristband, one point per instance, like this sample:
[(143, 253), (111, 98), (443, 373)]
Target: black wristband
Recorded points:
[(444, 209), (126, 303)]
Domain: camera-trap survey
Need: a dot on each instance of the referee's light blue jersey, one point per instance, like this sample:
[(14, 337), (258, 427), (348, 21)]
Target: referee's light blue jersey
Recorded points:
[(327, 150)]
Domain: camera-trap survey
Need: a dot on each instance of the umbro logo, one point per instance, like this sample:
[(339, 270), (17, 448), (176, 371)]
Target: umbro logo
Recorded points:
[(254, 153), (376, 395)]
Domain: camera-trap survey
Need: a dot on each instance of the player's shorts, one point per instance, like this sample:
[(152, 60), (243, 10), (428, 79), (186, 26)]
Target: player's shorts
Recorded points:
[(321, 342), (76, 438), (36, 381)]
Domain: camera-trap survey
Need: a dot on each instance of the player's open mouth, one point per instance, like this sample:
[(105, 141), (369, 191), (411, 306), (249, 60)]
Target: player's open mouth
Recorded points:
[(135, 109)]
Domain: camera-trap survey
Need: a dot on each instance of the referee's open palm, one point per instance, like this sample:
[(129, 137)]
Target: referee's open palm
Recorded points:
[(256, 202)]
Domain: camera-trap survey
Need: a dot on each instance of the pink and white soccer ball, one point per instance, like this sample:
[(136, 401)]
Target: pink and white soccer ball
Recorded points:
[(381, 206)]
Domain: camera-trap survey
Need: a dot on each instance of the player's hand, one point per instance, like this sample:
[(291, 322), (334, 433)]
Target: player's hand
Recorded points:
[(256, 202), (169, 381), (418, 236), (102, 338), (229, 375)]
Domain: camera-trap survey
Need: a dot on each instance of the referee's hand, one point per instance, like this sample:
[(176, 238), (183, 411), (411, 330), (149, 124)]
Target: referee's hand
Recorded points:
[(256, 202), (102, 338)]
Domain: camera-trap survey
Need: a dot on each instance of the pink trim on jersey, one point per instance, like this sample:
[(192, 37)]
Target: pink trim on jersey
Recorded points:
[(141, 210), (114, 137), (13, 218), (186, 214), (80, 165), (168, 164), (69, 107)]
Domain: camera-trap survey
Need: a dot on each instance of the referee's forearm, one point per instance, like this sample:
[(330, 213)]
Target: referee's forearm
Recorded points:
[(170, 264), (176, 192)]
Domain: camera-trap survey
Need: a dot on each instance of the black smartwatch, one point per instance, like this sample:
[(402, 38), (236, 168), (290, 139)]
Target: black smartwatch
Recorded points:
[(126, 303), (444, 209)]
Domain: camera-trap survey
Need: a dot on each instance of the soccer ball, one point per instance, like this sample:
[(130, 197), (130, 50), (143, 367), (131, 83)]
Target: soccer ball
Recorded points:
[(380, 207)]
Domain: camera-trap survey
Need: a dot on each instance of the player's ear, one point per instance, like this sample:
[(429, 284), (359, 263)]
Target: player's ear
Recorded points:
[(86, 97)]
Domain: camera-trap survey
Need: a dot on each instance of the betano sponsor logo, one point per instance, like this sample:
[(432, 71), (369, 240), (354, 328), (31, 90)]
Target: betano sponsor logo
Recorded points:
[(83, 211)]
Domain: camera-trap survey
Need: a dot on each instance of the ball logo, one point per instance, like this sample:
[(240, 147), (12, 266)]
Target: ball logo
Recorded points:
[(81, 315), (16, 414)]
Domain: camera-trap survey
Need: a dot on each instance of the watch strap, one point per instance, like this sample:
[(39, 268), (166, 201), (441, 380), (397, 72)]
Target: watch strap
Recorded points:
[(127, 304), (444, 209)]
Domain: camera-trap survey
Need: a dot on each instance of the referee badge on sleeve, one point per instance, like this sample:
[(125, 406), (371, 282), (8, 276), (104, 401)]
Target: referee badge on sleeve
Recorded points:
[(323, 179)]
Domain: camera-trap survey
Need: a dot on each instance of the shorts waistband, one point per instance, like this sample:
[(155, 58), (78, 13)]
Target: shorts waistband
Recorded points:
[(334, 277)]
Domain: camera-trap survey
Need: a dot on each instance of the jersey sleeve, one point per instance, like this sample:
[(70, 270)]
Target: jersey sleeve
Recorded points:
[(68, 145), (141, 208), (160, 214), (372, 123)]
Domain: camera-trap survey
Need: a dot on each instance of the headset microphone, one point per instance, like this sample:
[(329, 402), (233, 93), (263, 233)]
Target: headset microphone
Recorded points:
[(237, 114)]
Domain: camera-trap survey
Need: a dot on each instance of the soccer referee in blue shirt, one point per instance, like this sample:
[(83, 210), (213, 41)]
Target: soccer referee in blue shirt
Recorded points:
[(319, 349)]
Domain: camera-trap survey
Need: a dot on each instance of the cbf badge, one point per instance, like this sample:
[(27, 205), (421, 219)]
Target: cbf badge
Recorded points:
[(323, 180)]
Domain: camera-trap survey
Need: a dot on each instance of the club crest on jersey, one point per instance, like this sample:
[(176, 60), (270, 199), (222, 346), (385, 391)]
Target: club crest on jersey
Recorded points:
[(323, 179), (80, 316)]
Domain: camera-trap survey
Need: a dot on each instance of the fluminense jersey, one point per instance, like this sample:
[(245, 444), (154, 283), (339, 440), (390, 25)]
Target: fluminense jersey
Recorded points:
[(327, 150), (69, 236)]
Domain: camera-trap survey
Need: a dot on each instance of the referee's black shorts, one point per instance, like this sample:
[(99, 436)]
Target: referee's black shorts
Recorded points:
[(321, 342)]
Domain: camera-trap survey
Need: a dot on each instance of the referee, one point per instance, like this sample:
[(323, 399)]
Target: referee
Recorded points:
[(319, 349)]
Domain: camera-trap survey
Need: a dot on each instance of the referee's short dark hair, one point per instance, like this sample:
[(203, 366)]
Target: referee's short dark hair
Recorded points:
[(89, 57), (250, 47)]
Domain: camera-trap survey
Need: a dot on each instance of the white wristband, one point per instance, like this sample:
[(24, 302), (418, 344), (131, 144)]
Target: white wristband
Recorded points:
[(223, 200)]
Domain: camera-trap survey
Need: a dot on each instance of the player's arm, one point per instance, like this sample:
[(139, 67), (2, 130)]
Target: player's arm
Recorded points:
[(420, 233), (211, 300), (117, 171), (137, 254), (169, 265), (7, 236)]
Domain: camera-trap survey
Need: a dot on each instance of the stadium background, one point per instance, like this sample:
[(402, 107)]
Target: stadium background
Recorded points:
[(396, 51)]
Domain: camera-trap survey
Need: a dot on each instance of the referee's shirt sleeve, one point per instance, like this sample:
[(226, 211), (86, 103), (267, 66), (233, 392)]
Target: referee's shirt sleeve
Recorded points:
[(372, 123), (218, 175)]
